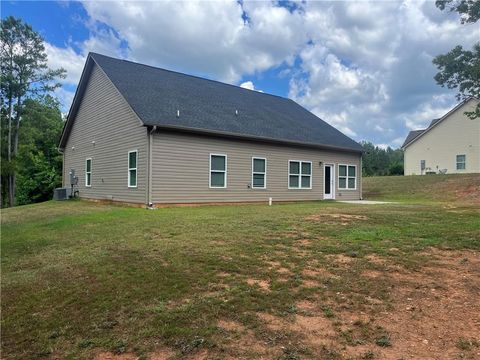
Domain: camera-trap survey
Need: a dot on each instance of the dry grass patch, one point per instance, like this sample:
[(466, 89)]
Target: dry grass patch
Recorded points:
[(262, 284), (340, 259), (336, 219), (231, 325), (373, 274), (112, 356), (435, 307)]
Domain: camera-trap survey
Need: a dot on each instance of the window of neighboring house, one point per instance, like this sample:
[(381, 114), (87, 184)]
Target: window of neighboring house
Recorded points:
[(461, 162), (422, 165), (347, 177), (132, 168), (299, 174), (218, 171), (88, 172)]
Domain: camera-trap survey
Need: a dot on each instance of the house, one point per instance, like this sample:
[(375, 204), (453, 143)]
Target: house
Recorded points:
[(140, 134), (450, 144)]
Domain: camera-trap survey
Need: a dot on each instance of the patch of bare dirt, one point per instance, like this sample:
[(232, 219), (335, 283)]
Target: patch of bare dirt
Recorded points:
[(310, 283), (432, 309), (435, 307), (343, 219), (306, 305), (162, 354), (284, 271), (340, 258), (263, 284), (310, 272), (303, 242), (316, 330), (111, 356), (223, 274), (465, 189), (230, 325), (375, 259), (373, 274), (273, 264)]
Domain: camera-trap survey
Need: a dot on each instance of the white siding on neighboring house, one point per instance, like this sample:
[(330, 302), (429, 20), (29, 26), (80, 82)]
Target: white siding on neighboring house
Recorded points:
[(440, 145)]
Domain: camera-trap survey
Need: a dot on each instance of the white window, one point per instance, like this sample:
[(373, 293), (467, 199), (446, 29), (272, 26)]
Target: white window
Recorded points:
[(347, 177), (461, 162), (259, 173), (299, 174), (88, 172), (218, 171), (132, 168)]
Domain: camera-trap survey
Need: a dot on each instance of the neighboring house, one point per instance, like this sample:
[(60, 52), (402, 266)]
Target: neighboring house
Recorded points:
[(141, 134), (450, 144)]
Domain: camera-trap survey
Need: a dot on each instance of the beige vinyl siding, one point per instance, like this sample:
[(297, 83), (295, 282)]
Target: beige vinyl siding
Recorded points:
[(180, 169), (439, 147), (105, 118)]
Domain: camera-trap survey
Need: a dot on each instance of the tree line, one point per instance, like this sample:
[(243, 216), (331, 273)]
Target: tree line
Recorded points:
[(30, 117), (31, 121), (377, 161)]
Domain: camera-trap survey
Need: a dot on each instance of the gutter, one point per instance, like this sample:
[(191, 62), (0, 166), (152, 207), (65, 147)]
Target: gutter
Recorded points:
[(226, 134)]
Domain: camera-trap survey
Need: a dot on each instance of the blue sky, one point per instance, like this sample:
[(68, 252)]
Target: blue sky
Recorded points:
[(364, 67)]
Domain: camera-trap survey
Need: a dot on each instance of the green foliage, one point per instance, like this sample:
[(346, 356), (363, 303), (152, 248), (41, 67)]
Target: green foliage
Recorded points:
[(460, 69), (469, 10), (381, 162), (24, 75), (40, 162)]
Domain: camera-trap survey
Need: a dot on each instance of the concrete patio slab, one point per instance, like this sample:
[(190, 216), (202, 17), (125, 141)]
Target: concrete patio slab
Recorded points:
[(366, 202)]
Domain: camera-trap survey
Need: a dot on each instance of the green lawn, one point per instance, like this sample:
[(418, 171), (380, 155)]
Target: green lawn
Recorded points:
[(79, 278)]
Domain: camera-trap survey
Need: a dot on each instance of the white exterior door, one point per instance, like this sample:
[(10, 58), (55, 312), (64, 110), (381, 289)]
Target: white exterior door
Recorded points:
[(329, 181)]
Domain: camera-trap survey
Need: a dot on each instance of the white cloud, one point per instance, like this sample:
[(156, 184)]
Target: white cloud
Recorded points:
[(368, 70), (365, 67), (249, 85), (209, 38), (68, 59)]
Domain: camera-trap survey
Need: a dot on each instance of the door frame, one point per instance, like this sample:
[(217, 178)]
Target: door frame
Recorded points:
[(331, 196)]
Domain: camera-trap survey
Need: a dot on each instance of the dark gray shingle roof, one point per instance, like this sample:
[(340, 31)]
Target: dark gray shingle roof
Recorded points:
[(412, 135), (156, 94)]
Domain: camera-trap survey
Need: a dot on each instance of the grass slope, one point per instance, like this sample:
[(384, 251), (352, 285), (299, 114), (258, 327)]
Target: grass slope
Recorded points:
[(438, 188), (79, 277)]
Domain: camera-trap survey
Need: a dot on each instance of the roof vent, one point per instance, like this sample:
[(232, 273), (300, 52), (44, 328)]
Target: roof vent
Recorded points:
[(178, 113), (236, 112)]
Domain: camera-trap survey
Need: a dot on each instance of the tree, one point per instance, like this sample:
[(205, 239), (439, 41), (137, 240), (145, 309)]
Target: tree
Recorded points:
[(24, 74), (41, 163), (459, 68), (381, 162), (469, 10)]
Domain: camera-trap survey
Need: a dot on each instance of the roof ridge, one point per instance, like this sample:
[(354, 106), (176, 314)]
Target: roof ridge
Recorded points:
[(189, 75)]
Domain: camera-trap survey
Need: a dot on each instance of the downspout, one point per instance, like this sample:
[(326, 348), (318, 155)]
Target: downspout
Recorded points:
[(149, 167), (63, 165), (361, 176)]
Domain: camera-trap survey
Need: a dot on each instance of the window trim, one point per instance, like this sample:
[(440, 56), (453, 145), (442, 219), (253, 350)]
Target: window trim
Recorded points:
[(135, 168), (464, 162), (258, 172), (300, 175), (225, 172), (88, 172), (347, 177)]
